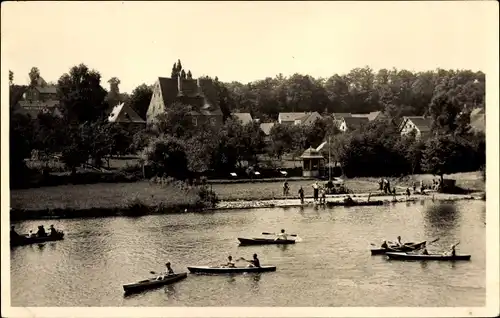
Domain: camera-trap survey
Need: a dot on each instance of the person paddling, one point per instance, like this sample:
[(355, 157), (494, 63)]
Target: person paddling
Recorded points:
[(41, 231), (399, 241), (53, 231), (168, 271), (254, 262), (230, 262), (281, 236)]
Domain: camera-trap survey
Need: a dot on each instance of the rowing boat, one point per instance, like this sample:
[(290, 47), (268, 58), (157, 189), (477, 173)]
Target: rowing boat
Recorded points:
[(24, 239), (229, 270), (407, 247), (153, 283), (263, 241), (423, 257)]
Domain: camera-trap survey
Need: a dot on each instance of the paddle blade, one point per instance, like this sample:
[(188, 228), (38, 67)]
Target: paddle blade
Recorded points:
[(267, 233), (434, 241), (151, 272)]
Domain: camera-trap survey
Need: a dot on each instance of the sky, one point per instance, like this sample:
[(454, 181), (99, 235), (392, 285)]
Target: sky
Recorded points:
[(244, 41)]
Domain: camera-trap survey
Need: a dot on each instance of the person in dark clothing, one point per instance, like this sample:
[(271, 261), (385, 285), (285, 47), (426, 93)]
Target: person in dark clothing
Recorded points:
[(301, 195), (286, 188), (315, 191), (41, 231), (408, 192), (255, 261), (53, 231)]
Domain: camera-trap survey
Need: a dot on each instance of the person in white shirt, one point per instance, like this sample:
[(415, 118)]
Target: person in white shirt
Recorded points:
[(30, 234), (281, 236)]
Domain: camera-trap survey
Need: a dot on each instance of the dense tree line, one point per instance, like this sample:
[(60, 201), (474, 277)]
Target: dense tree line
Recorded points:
[(173, 146)]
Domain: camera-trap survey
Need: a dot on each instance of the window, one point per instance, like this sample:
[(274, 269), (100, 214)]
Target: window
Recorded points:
[(195, 121)]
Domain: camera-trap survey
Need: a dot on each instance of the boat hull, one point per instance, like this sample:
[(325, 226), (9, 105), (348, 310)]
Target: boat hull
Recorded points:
[(153, 283), (431, 257), (263, 241), (230, 270), (25, 240)]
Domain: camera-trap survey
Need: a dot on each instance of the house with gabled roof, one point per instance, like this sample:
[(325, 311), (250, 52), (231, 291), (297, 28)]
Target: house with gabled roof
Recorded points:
[(351, 123), (266, 129), (39, 98), (420, 124), (199, 93), (244, 118), (302, 118), (125, 115)]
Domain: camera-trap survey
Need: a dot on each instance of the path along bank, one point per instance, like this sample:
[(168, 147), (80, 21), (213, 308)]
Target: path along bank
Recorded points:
[(336, 200)]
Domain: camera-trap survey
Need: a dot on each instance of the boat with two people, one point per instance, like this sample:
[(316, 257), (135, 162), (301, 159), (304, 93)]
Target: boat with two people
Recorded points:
[(254, 266), (398, 246), (41, 236), (280, 238), (162, 279), (424, 255)]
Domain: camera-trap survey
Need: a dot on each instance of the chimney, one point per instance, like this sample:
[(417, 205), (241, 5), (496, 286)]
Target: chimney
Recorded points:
[(179, 84)]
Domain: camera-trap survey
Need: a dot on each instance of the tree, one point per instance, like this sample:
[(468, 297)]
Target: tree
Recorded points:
[(114, 97), (177, 122), (189, 75), (81, 95), (168, 157), (21, 144), (75, 151), (140, 99), (443, 112), (49, 135), (174, 73), (183, 74), (34, 75)]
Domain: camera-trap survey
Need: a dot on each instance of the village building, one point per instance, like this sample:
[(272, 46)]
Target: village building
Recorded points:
[(266, 129), (126, 116), (244, 118), (304, 118), (312, 163), (200, 94), (39, 98), (351, 123), (421, 125)]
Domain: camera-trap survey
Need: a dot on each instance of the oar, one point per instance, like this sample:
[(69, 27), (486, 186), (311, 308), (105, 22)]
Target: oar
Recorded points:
[(267, 233)]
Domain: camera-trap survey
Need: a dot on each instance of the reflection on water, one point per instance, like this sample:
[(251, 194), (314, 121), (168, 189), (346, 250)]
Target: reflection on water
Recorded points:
[(331, 266)]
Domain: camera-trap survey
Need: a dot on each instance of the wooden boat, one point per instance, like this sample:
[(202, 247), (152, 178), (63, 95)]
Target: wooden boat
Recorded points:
[(153, 283), (355, 203), (422, 257), (229, 270), (24, 239), (263, 241), (407, 247)]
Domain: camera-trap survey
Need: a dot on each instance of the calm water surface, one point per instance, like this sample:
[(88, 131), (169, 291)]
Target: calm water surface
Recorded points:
[(332, 266)]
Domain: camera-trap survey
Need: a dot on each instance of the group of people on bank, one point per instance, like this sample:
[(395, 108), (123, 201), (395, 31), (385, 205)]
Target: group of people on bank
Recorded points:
[(319, 192)]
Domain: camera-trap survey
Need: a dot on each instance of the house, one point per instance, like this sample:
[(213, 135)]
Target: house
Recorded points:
[(39, 98), (339, 116), (305, 118), (125, 115), (351, 123), (420, 124), (478, 120), (245, 118), (266, 128), (200, 94)]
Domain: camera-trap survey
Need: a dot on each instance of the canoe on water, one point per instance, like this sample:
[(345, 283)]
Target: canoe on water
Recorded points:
[(25, 240), (407, 247), (229, 270), (153, 283), (263, 241), (422, 257)]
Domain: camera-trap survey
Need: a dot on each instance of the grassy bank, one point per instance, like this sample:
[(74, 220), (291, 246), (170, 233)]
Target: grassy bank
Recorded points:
[(113, 197)]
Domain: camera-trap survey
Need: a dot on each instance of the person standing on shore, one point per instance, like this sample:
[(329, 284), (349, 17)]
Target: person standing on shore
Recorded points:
[(286, 188), (315, 191), (301, 195)]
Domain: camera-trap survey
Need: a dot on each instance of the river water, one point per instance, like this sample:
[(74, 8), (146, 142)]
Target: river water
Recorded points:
[(331, 266)]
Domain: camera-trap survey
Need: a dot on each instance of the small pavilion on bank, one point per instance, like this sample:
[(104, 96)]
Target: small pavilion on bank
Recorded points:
[(312, 162)]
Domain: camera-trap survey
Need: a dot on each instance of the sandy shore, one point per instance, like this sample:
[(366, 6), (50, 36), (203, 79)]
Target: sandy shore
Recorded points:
[(361, 197)]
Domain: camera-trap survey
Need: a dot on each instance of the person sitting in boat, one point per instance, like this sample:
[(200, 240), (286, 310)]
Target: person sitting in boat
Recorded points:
[(254, 262), (13, 233), (281, 236), (424, 251), (30, 235), (168, 271), (230, 262), (41, 231), (53, 231), (384, 244), (398, 243), (348, 199), (452, 250)]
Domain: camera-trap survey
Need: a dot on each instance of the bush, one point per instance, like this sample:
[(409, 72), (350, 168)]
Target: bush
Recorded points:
[(207, 197)]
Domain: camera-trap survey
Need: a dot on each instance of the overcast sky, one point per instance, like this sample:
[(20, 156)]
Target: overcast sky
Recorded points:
[(243, 41)]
